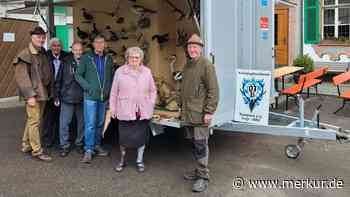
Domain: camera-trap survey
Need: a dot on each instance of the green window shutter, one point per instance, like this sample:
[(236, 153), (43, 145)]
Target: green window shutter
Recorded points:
[(62, 33), (312, 21)]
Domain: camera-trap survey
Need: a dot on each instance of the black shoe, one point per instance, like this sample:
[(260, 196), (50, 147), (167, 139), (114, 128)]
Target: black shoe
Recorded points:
[(100, 151), (64, 152), (87, 158), (140, 167), (200, 185), (120, 166)]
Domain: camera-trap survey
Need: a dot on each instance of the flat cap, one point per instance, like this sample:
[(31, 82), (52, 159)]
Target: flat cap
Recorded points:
[(37, 31)]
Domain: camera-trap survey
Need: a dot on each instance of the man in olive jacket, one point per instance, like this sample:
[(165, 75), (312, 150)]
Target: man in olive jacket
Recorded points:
[(94, 74), (34, 79), (198, 100)]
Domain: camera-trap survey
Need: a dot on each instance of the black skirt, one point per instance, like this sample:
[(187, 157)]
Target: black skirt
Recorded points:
[(134, 133)]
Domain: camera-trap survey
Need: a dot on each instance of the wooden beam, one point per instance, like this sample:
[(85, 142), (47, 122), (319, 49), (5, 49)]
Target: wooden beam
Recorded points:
[(51, 22)]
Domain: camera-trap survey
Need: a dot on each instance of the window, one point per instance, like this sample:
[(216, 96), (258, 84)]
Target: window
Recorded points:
[(336, 19), (329, 2), (329, 23), (344, 23), (344, 1)]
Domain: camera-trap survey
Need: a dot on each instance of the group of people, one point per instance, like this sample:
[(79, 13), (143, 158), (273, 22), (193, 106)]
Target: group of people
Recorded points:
[(57, 85)]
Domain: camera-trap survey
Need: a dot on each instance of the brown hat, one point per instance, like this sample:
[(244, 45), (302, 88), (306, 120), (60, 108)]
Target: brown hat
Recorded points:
[(37, 31), (195, 39)]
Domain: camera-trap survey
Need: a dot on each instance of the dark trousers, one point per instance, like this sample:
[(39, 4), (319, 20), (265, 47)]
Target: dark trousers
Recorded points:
[(66, 118), (200, 149), (50, 124)]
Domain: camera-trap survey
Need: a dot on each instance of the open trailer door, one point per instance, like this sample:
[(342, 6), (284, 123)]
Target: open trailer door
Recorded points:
[(238, 35)]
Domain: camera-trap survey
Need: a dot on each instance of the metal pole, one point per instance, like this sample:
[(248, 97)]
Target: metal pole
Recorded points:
[(301, 110), (302, 27), (50, 8)]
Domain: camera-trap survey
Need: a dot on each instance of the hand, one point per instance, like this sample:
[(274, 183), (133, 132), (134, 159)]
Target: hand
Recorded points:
[(208, 118), (113, 115), (57, 103), (31, 101)]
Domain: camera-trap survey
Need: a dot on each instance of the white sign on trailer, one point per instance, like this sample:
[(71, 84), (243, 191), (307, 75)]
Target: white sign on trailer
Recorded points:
[(8, 37), (252, 96)]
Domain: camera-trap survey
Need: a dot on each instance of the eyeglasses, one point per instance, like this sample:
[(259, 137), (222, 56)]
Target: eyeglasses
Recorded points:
[(134, 57)]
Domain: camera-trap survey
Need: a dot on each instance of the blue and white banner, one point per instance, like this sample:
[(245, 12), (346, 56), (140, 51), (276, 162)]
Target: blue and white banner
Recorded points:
[(253, 96)]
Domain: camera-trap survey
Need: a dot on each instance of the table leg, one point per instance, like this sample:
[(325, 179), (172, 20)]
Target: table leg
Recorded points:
[(277, 90)]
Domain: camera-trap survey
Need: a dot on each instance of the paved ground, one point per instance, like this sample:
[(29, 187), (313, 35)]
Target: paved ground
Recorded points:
[(232, 155)]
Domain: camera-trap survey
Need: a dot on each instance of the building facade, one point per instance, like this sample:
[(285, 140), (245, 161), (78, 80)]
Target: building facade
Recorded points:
[(327, 33)]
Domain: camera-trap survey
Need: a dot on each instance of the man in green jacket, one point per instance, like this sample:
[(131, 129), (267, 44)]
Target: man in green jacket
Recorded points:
[(198, 99), (94, 74)]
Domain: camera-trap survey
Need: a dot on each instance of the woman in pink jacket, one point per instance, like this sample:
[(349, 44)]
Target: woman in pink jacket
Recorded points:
[(132, 101)]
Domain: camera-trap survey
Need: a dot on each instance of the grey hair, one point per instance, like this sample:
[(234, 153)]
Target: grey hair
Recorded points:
[(134, 50), (53, 40), (77, 42)]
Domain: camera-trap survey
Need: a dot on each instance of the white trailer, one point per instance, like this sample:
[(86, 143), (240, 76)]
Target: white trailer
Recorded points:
[(239, 34)]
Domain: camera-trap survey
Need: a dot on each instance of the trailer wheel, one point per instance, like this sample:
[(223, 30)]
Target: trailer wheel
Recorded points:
[(293, 151)]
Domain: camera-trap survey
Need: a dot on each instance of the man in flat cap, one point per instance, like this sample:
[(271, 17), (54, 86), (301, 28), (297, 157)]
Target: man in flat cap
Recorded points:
[(33, 75), (199, 95)]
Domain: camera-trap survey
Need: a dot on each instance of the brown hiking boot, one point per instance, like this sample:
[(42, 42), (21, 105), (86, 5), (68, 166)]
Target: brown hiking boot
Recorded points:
[(43, 157)]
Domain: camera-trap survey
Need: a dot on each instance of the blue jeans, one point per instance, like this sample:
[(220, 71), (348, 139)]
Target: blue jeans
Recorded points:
[(94, 117)]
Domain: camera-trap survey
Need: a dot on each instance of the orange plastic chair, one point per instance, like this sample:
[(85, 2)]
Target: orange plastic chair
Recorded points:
[(313, 79), (294, 90), (337, 81)]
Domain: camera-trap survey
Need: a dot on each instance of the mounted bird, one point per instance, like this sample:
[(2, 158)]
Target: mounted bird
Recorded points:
[(142, 11), (94, 31), (161, 38), (112, 35), (82, 34), (182, 38), (86, 15)]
